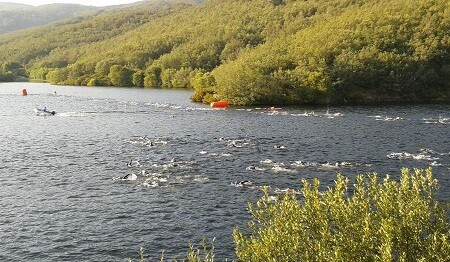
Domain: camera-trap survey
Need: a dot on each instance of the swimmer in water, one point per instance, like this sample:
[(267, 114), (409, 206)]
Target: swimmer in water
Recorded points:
[(133, 163), (129, 177), (244, 183)]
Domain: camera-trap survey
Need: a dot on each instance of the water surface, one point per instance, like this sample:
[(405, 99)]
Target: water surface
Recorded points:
[(61, 202)]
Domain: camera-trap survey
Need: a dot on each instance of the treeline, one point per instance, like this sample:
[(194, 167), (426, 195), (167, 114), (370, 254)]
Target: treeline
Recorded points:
[(252, 51), (10, 71), (374, 51)]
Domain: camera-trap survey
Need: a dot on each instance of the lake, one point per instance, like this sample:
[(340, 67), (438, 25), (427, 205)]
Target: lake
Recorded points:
[(63, 195)]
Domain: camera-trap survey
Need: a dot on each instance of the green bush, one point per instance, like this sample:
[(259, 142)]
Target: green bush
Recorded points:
[(375, 220), (205, 254)]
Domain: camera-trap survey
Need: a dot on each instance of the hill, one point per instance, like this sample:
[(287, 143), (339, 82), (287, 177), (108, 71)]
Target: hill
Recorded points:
[(7, 6), (251, 52), (16, 17)]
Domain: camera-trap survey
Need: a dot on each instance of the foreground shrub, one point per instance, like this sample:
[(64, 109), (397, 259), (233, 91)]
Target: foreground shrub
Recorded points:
[(374, 221), (205, 254)]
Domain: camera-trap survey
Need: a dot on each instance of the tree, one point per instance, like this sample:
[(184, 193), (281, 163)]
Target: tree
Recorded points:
[(39, 74), (120, 76), (182, 78), (166, 77), (6, 77), (57, 76), (277, 2), (102, 67), (11, 66), (153, 77), (138, 78), (203, 84), (379, 221), (98, 80)]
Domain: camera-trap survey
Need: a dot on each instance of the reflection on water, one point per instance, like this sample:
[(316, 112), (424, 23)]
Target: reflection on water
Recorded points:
[(116, 169)]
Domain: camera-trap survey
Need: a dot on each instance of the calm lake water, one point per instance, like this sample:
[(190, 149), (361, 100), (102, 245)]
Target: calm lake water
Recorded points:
[(61, 202)]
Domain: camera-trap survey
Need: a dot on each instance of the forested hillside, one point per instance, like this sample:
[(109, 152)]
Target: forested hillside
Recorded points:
[(7, 6), (16, 17), (250, 51)]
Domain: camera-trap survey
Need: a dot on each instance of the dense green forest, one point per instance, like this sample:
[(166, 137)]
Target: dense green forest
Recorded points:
[(283, 52)]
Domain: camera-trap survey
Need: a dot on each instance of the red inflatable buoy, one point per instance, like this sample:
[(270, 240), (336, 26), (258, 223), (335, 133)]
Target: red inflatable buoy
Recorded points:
[(24, 92), (220, 104)]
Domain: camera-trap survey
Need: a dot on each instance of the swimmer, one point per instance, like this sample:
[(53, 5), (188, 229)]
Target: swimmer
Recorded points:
[(244, 183), (255, 168), (128, 177), (133, 163)]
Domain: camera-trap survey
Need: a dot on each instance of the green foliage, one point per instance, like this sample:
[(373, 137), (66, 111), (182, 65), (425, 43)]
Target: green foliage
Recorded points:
[(166, 77), (358, 51), (173, 78), (153, 77), (57, 76), (206, 254), (203, 85), (6, 77), (9, 71), (98, 80), (10, 66), (102, 67), (277, 2), (121, 76), (258, 52), (39, 74), (374, 221), (138, 78)]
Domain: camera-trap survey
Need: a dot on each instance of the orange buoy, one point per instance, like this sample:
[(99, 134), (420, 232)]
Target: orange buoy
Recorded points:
[(24, 92), (220, 104)]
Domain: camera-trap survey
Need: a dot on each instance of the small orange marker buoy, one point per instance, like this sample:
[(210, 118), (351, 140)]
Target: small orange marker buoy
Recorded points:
[(220, 104), (24, 92)]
